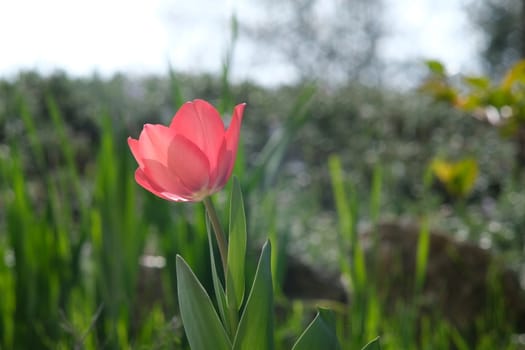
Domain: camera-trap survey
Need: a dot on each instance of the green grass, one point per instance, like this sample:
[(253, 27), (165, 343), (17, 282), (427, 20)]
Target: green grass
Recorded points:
[(72, 238)]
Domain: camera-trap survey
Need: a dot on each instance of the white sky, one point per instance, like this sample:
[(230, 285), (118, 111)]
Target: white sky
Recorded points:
[(141, 36), (432, 29)]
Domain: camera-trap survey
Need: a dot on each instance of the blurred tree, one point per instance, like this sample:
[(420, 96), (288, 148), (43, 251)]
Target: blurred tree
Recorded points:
[(332, 41), (502, 24)]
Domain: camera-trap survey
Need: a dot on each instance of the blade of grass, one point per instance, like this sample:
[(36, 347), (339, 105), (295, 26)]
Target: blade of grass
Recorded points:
[(423, 244), (344, 214)]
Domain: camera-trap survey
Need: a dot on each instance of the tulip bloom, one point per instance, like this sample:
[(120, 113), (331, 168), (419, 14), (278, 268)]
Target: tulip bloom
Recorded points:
[(192, 158)]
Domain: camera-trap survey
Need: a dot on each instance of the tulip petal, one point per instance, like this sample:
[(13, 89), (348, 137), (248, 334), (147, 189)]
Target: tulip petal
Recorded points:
[(154, 141), (165, 181), (232, 135), (135, 150), (220, 173), (190, 159), (200, 123), (143, 181), (189, 164)]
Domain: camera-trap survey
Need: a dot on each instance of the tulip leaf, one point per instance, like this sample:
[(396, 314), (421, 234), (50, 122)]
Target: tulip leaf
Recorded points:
[(320, 333), (255, 331), (217, 285), (373, 345), (236, 249), (201, 323)]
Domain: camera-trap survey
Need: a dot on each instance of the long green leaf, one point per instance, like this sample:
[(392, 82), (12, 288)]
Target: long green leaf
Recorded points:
[(345, 217), (372, 345), (320, 334), (358, 268), (255, 330), (423, 244), (375, 197), (217, 285), (236, 248), (201, 323)]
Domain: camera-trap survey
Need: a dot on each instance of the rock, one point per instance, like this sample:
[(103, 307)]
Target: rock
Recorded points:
[(463, 282), (302, 281)]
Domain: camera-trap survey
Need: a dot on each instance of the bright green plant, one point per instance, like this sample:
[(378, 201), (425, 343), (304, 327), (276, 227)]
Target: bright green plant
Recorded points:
[(500, 104), (238, 322), (458, 178)]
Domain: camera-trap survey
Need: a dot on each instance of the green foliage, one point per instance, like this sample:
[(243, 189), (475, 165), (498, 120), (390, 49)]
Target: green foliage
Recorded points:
[(236, 248), (373, 345), (201, 323), (498, 104), (423, 246), (320, 334), (74, 226), (256, 324), (220, 296), (457, 177), (436, 67)]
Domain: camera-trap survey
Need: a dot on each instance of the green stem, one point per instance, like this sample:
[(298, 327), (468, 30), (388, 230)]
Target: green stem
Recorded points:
[(219, 234)]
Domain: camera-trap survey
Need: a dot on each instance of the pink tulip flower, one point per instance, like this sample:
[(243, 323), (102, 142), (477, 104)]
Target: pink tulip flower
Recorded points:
[(192, 158)]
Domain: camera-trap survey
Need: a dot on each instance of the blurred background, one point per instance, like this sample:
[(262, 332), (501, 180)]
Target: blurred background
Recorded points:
[(144, 37), (383, 153)]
